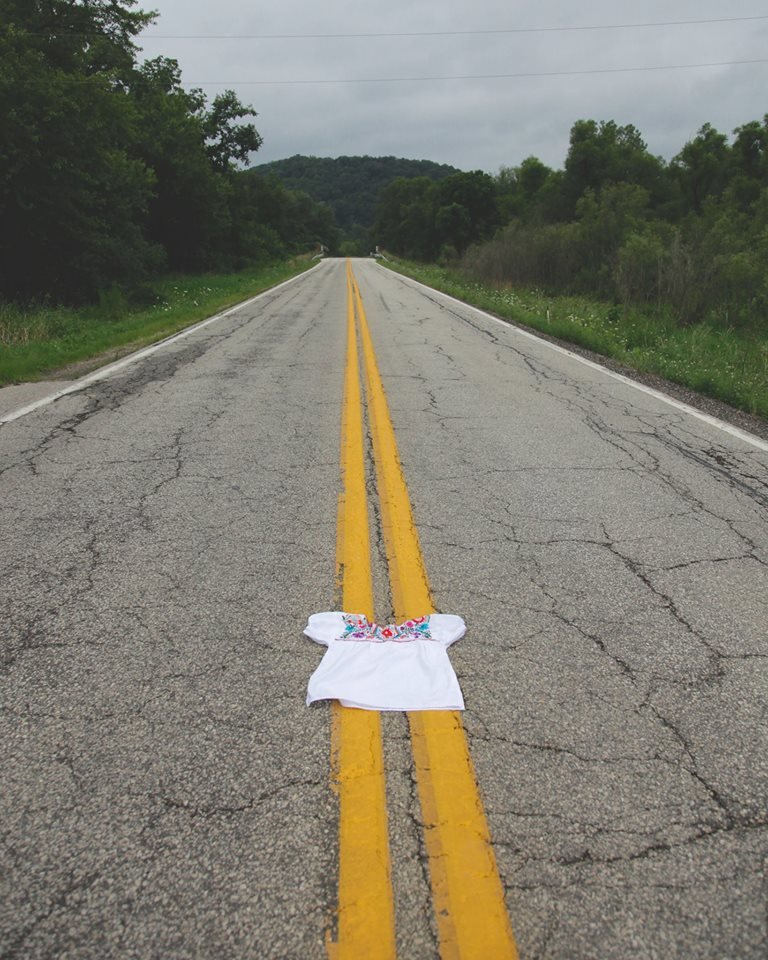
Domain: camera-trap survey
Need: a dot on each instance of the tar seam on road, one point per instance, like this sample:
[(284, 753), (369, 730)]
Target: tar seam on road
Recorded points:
[(468, 896), (678, 404), (365, 919), (103, 372)]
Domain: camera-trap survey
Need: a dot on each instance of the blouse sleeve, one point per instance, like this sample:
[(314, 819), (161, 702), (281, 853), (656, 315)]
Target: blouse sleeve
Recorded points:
[(446, 628), (325, 627)]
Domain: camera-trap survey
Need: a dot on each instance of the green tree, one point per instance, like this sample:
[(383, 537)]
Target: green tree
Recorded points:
[(271, 221), (702, 168), (227, 141), (453, 226), (606, 218), (404, 220), (639, 268), (73, 196), (465, 209), (189, 214), (750, 150), (749, 155), (109, 170), (520, 189), (606, 153), (418, 217)]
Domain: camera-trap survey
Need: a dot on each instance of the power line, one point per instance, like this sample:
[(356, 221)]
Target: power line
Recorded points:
[(445, 33), (478, 76), (421, 33)]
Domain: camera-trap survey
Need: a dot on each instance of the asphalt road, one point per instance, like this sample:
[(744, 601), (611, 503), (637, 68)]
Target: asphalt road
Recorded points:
[(165, 534)]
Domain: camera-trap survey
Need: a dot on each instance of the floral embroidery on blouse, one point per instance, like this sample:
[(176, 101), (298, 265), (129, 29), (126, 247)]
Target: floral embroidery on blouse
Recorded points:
[(358, 627)]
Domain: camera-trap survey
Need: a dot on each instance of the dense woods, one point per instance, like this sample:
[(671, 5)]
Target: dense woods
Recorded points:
[(425, 219), (689, 236), (111, 172), (351, 186)]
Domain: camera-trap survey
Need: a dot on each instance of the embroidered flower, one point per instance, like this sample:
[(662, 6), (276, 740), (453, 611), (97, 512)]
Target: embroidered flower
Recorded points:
[(358, 627)]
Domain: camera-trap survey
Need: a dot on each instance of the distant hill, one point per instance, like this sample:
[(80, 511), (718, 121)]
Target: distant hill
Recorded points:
[(351, 186)]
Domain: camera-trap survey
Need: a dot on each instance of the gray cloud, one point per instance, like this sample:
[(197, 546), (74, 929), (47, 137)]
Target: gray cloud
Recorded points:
[(473, 124)]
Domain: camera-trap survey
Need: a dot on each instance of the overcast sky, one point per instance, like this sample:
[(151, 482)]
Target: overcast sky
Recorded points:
[(470, 123)]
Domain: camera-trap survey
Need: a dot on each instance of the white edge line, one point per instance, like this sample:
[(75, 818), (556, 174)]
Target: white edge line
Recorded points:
[(686, 408), (103, 372)]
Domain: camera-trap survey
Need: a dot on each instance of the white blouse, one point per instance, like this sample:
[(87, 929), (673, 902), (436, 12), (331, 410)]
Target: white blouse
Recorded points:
[(403, 667)]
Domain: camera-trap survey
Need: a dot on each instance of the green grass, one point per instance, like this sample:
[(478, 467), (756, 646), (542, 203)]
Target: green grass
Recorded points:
[(36, 341), (719, 362)]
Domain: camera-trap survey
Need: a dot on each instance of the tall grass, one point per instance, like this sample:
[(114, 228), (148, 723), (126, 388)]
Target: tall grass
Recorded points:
[(730, 365), (40, 339)]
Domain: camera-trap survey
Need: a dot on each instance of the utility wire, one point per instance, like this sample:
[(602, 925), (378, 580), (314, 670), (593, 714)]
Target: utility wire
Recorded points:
[(444, 33), (422, 33), (479, 76)]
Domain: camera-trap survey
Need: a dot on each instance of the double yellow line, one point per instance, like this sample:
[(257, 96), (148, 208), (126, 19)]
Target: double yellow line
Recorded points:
[(467, 894)]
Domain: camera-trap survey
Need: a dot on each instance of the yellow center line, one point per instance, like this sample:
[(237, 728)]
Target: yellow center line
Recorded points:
[(468, 896), (366, 923)]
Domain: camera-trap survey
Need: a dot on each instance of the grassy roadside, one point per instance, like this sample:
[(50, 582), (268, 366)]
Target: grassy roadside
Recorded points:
[(41, 340), (727, 364)]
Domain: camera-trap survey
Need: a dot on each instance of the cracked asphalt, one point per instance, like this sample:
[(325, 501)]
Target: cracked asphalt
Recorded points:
[(165, 534)]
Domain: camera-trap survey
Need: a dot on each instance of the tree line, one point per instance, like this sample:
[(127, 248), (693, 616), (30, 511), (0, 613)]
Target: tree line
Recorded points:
[(351, 186), (689, 235), (111, 172)]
